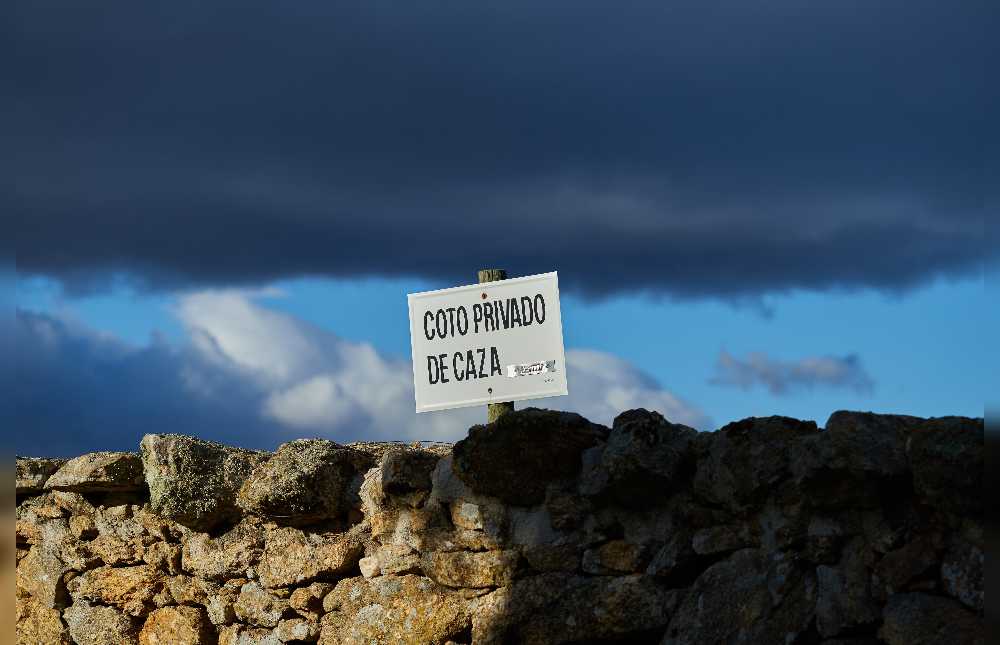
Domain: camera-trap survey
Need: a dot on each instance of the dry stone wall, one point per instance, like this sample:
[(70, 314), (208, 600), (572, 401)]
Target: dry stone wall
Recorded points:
[(539, 528)]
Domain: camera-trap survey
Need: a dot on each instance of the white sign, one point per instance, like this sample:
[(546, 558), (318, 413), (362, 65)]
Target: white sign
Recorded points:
[(487, 343)]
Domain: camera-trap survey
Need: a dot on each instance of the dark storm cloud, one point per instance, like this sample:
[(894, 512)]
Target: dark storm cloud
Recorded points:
[(696, 148)]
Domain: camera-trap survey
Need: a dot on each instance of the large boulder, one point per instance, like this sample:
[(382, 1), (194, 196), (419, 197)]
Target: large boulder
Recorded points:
[(946, 457), (746, 460), (195, 482), (859, 460), (922, 619), (516, 457), (305, 481), (99, 472), (554, 608), (31, 473), (645, 457)]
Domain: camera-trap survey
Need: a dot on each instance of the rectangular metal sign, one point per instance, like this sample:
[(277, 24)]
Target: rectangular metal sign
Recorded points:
[(487, 343)]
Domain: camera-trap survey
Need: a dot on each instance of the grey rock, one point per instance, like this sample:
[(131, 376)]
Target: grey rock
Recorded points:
[(31, 473), (750, 597), (305, 481), (99, 472), (720, 539), (195, 482), (644, 457), (859, 459), (519, 455), (845, 600), (962, 573), (746, 461), (946, 457), (899, 567), (921, 619)]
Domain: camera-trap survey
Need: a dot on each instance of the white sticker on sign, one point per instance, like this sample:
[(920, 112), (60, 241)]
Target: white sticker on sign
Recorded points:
[(530, 369), (471, 345)]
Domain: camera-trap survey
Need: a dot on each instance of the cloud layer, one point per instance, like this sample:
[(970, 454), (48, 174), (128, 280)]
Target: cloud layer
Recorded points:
[(251, 376), (781, 377), (721, 149)]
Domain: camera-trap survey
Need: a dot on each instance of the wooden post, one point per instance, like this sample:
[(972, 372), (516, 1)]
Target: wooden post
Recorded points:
[(495, 410)]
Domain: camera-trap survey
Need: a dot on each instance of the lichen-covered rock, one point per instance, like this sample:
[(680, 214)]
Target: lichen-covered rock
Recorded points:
[(393, 609), (298, 630), (308, 601), (615, 558), (751, 597), (195, 482), (304, 481), (557, 608), (38, 624), (99, 472), (230, 555), (549, 530), (260, 607), (519, 455), (405, 470), (40, 575), (31, 473), (99, 625), (177, 626), (464, 569), (921, 619), (131, 589), (292, 557), (244, 635), (645, 455)]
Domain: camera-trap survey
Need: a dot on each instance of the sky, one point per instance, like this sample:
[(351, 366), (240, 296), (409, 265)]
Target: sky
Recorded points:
[(217, 209)]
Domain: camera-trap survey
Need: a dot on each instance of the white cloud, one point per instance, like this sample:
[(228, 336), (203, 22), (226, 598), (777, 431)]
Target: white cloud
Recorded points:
[(603, 385), (781, 376), (249, 375), (314, 381)]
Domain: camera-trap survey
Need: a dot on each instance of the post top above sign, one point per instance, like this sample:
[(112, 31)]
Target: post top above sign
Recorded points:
[(486, 343)]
